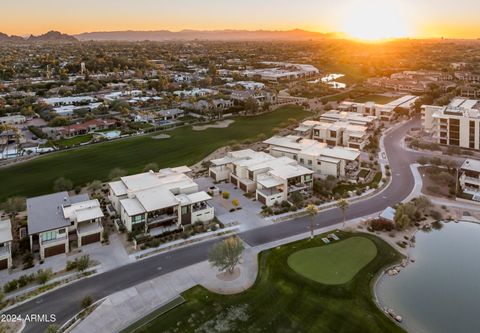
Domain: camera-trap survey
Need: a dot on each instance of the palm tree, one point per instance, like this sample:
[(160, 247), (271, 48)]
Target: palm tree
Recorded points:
[(312, 210), (343, 204)]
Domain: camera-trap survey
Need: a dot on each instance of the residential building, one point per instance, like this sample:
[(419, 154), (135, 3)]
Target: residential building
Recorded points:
[(86, 127), (5, 244), (282, 71), (157, 202), (317, 156), (457, 124), (56, 219), (469, 178), (383, 112), (336, 128), (271, 179), (171, 114), (13, 120)]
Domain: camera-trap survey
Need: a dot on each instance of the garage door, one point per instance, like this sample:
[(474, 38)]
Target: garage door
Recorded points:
[(4, 264), (90, 239), (54, 250)]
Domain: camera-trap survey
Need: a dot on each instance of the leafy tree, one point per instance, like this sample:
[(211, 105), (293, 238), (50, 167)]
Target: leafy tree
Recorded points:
[(251, 105), (95, 185), (62, 184), (117, 173), (59, 121), (227, 254), (14, 205), (151, 166), (313, 211), (297, 198), (43, 276)]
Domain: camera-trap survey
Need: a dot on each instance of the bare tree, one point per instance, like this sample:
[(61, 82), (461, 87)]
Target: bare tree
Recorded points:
[(227, 254), (313, 211)]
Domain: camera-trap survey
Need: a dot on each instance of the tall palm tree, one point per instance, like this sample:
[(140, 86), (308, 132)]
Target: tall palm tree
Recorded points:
[(343, 204), (312, 210)]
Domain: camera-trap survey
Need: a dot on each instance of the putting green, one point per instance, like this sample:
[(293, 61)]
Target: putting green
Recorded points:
[(336, 263)]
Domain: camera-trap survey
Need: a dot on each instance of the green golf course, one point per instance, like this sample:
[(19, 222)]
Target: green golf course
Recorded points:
[(94, 162), (283, 300), (334, 264)]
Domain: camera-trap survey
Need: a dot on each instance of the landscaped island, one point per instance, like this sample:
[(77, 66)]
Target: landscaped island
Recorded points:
[(283, 300), (184, 147)]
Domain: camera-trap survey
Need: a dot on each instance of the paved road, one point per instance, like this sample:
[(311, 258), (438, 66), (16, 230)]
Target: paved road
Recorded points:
[(65, 302)]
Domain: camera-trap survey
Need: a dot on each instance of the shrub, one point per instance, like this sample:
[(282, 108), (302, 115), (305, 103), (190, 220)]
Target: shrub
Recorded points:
[(43, 276), (83, 262), (226, 195), (86, 302), (27, 260), (10, 286), (71, 265), (381, 225), (62, 184)]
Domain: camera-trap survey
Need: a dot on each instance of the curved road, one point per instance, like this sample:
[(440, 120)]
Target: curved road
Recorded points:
[(65, 302)]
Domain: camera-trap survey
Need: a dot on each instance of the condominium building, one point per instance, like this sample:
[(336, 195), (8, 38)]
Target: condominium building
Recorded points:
[(272, 179), (336, 128), (469, 178), (317, 156), (157, 202), (56, 219), (457, 124), (384, 112)]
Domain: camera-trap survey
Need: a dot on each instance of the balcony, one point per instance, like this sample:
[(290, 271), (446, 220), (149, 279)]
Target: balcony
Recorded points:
[(161, 218), (87, 228), (200, 206)]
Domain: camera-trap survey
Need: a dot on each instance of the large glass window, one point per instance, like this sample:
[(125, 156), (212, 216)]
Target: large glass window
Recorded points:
[(138, 218), (49, 235)]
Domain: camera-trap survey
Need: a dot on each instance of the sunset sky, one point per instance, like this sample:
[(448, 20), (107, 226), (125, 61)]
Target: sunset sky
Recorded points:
[(358, 18)]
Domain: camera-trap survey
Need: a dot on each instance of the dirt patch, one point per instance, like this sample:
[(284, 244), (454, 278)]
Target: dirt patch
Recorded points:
[(218, 124), (227, 277), (161, 137)]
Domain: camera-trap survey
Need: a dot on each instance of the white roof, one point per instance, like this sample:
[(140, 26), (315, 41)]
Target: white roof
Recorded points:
[(83, 211), (188, 199), (471, 165), (5, 231), (388, 214), (156, 198), (132, 207), (290, 171), (268, 181)]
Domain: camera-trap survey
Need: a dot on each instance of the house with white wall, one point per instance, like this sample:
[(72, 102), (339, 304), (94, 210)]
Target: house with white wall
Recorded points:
[(157, 202), (5, 244)]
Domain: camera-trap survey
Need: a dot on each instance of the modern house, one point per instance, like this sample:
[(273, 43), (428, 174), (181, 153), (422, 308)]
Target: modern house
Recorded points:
[(5, 244), (317, 156), (271, 179), (54, 220), (469, 178), (384, 112), (157, 202), (457, 124)]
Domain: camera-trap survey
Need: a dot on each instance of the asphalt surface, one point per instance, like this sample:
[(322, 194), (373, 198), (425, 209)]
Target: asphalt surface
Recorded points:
[(65, 302)]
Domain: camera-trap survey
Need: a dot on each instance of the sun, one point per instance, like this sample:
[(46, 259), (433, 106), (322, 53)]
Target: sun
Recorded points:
[(374, 20)]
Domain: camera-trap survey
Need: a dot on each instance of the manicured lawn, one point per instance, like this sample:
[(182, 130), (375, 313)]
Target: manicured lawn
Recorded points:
[(185, 147), (74, 141), (380, 99), (336, 263), (284, 301)]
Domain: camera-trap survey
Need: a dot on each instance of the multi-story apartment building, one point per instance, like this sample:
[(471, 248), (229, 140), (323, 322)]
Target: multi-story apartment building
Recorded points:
[(157, 202), (56, 219), (272, 179), (383, 112), (317, 156), (457, 124), (335, 128)]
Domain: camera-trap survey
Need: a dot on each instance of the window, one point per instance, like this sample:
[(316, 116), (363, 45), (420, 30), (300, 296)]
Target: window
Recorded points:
[(309, 162), (184, 210), (49, 235), (61, 231), (302, 161), (138, 218)]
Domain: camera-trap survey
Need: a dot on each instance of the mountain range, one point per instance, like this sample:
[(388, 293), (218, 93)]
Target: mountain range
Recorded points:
[(183, 35), (51, 36), (220, 35)]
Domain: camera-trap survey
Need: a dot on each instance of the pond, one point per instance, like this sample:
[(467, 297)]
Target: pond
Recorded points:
[(440, 291)]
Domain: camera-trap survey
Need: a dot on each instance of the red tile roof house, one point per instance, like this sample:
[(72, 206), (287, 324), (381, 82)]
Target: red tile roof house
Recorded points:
[(87, 127)]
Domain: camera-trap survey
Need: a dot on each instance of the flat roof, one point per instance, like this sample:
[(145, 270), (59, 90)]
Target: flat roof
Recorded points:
[(156, 198), (5, 231), (193, 198), (132, 206), (471, 165)]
